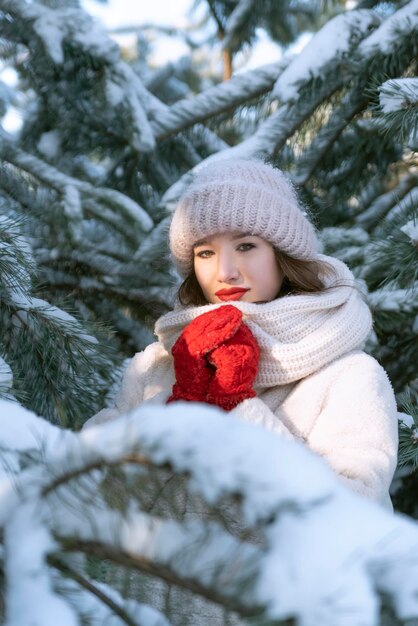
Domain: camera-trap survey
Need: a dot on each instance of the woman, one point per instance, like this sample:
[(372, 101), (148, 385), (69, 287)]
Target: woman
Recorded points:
[(268, 328)]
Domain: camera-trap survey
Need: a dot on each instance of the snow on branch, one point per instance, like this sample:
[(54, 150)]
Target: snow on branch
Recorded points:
[(398, 94), (226, 96), (62, 182), (6, 376), (399, 102), (27, 542), (268, 139), (321, 144), (325, 552), (394, 300), (124, 90), (329, 47), (411, 230), (56, 26), (408, 202), (199, 556), (28, 309), (392, 31), (382, 204), (98, 603)]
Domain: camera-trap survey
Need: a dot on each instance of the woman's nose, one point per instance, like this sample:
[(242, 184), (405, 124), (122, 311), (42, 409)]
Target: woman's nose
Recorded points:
[(227, 268)]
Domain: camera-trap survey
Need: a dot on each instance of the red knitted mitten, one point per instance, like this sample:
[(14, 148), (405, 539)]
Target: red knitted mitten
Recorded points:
[(203, 334), (236, 362)]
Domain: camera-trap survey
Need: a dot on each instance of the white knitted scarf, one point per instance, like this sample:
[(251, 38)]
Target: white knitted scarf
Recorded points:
[(297, 334)]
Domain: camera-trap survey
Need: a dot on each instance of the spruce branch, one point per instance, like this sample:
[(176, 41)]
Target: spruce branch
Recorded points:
[(52, 177), (219, 99), (374, 214), (408, 432), (398, 100), (67, 476), (86, 584), (351, 105), (272, 134), (230, 599)]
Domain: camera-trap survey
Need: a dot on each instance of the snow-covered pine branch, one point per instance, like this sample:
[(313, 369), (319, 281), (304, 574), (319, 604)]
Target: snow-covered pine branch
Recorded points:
[(270, 136), (54, 27), (315, 64), (294, 572), (389, 35), (411, 230), (6, 379), (351, 105), (61, 182), (398, 100), (329, 48), (223, 97), (382, 204), (398, 94), (394, 300), (46, 347), (408, 203)]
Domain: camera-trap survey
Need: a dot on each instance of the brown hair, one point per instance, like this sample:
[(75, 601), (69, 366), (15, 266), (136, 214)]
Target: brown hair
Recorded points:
[(300, 277)]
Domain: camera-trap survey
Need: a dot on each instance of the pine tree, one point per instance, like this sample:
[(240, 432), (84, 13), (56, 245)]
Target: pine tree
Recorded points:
[(99, 520), (237, 22), (86, 190)]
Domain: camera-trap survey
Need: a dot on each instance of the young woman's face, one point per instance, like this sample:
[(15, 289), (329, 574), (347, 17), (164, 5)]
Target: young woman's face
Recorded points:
[(237, 266)]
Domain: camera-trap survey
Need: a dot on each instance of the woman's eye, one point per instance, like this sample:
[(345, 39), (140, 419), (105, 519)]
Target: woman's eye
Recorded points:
[(204, 254), (246, 246)]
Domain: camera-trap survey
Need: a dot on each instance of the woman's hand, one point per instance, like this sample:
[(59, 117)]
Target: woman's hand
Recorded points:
[(215, 359), (236, 363), (192, 370)]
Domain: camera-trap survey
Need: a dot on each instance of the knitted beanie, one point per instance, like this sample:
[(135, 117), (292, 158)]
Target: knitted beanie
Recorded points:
[(245, 196)]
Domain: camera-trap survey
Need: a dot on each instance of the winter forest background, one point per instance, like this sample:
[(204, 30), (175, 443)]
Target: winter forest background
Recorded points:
[(86, 189)]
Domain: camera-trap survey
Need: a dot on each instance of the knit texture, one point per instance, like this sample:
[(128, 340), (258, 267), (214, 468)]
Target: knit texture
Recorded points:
[(296, 334), (245, 196), (215, 360)]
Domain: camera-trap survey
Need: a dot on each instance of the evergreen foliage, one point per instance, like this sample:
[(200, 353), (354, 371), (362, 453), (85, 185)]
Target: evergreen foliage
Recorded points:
[(105, 519), (105, 150)]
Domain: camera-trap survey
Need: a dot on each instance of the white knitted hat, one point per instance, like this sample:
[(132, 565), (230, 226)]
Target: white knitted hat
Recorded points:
[(240, 195)]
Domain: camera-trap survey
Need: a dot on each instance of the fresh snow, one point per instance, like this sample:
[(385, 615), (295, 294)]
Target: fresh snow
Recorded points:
[(384, 38), (54, 25), (411, 229), (216, 99), (72, 203), (6, 375), (330, 44), (393, 300), (96, 613), (49, 144), (124, 88), (26, 303), (54, 177), (27, 542), (398, 94), (328, 549)]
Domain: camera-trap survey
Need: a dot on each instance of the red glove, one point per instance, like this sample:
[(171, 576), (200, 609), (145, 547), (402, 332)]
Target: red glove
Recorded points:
[(203, 334), (236, 362)]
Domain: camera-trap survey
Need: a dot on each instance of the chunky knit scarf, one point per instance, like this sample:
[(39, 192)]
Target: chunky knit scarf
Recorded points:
[(297, 334)]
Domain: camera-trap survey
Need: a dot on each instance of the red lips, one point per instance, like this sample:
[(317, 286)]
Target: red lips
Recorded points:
[(228, 292)]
